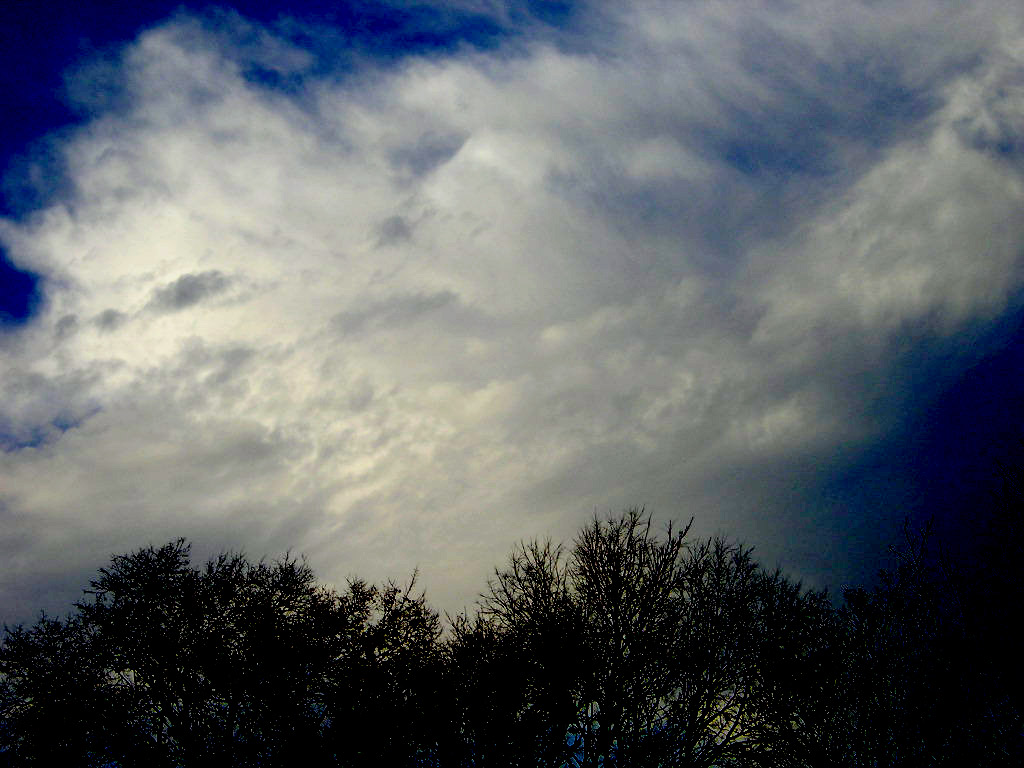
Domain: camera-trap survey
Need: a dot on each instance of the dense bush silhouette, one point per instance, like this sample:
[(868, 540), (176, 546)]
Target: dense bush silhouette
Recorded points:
[(628, 648)]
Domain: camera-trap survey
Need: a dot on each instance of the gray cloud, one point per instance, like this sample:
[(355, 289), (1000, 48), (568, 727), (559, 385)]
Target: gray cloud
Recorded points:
[(426, 153), (394, 229), (66, 325), (393, 312), (109, 319), (188, 290)]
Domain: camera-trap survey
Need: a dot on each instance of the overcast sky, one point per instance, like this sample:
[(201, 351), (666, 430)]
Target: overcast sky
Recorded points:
[(398, 286)]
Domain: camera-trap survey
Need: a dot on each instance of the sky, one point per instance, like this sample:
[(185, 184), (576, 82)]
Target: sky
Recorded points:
[(398, 285)]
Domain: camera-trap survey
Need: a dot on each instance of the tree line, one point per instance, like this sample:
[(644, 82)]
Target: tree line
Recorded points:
[(630, 647)]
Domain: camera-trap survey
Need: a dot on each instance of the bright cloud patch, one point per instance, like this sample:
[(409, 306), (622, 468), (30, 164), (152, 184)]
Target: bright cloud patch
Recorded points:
[(413, 315)]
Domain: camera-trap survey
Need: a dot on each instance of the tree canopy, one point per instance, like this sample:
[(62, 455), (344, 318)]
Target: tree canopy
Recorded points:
[(630, 647)]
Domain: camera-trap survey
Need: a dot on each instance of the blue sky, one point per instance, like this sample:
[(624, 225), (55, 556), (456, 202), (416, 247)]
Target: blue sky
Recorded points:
[(399, 285)]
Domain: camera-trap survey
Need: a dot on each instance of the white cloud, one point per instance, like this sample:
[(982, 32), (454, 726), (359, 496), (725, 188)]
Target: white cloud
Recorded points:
[(419, 314)]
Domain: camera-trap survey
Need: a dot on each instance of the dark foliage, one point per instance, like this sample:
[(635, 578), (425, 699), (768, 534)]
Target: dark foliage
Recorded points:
[(234, 664), (631, 648)]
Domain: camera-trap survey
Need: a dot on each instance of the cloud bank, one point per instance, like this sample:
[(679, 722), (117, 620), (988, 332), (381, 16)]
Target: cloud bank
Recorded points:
[(687, 255)]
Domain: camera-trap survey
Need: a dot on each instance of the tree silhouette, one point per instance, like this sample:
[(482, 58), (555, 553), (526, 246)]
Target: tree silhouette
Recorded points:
[(382, 690), (629, 585), (923, 678), (238, 663), (221, 665), (628, 648), (515, 669), (635, 649), (51, 689), (799, 688)]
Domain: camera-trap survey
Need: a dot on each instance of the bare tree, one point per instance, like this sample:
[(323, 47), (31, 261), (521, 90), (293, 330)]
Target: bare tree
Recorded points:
[(640, 648)]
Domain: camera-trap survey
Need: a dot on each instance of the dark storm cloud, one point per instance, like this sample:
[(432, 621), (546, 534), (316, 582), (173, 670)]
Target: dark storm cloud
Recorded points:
[(187, 291)]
